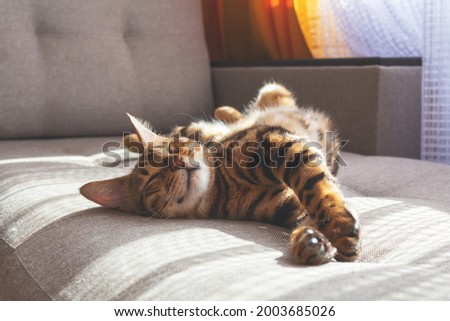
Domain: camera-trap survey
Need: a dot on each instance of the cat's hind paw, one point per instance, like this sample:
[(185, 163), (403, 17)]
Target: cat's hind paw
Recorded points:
[(228, 115), (310, 247)]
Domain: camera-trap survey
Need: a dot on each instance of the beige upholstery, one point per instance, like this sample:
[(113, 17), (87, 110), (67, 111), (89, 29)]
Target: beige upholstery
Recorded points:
[(57, 245), (74, 67)]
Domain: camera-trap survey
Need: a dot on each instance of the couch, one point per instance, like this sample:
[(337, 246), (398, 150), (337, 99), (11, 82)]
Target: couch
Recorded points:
[(70, 69)]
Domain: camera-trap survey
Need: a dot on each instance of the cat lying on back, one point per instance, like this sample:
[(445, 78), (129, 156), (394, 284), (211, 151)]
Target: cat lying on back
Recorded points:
[(262, 165)]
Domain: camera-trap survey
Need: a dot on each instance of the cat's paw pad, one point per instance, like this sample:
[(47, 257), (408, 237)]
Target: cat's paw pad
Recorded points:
[(310, 247)]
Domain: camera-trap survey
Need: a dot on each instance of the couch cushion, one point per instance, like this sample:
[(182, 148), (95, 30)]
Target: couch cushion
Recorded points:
[(396, 177), (54, 244), (74, 67), (23, 148)]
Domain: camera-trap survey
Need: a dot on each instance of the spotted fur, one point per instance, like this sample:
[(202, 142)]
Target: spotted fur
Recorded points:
[(266, 164)]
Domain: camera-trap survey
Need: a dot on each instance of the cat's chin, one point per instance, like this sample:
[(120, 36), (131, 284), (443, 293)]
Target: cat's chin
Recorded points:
[(197, 181)]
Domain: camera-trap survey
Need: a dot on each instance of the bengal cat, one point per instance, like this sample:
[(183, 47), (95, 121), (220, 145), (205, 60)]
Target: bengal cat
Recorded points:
[(266, 164)]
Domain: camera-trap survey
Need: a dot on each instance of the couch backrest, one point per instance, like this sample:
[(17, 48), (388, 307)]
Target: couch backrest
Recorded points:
[(74, 67)]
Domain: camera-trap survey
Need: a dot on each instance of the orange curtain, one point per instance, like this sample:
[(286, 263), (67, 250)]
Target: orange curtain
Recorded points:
[(253, 30), (316, 21)]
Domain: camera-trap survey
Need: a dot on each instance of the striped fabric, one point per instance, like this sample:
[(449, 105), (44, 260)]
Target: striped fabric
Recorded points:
[(56, 245)]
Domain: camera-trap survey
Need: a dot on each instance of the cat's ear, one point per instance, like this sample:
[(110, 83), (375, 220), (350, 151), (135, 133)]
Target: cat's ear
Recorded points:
[(146, 135), (110, 193)]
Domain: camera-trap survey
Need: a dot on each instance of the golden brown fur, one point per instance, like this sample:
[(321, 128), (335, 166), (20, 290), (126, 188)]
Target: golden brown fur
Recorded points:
[(267, 164)]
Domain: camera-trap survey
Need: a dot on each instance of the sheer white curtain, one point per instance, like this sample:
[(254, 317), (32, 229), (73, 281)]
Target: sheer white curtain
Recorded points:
[(380, 28), (436, 82), (399, 28), (371, 28)]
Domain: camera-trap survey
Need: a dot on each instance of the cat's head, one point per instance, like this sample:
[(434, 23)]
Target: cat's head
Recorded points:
[(170, 178)]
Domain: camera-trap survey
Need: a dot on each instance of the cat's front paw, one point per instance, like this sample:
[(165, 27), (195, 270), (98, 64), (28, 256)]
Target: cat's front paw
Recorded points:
[(310, 247)]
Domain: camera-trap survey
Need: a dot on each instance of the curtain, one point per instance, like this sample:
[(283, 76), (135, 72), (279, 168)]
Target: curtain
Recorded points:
[(318, 24), (436, 82), (296, 29), (376, 28), (253, 30), (362, 28)]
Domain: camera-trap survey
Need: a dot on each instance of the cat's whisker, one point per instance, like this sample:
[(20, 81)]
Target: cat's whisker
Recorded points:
[(184, 114), (205, 116)]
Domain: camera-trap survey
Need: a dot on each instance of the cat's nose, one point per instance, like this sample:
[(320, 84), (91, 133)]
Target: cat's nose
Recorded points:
[(190, 162)]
